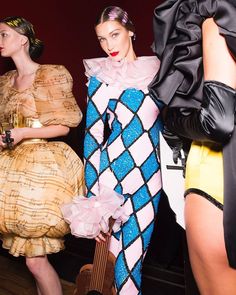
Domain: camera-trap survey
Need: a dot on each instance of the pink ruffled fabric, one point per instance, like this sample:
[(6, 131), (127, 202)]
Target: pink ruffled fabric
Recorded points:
[(87, 217), (123, 74)]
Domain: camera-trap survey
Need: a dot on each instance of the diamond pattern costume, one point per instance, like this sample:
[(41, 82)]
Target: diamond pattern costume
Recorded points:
[(127, 161)]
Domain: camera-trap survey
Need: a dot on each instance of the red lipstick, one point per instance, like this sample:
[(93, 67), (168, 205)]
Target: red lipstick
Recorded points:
[(114, 53)]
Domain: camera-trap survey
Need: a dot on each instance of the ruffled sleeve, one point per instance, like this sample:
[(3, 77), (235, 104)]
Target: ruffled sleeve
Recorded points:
[(4, 80), (178, 44), (54, 99)]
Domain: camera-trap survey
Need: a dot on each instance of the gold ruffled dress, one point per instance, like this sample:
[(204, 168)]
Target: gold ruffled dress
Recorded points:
[(37, 176)]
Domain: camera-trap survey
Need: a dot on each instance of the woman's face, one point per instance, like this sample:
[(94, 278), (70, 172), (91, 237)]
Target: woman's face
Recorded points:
[(115, 40), (10, 41)]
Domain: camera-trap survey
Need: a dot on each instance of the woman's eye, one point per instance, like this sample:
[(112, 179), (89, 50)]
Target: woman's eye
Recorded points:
[(101, 40), (115, 35)]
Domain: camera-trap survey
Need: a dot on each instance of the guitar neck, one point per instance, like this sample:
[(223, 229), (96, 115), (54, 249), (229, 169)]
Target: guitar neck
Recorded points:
[(99, 265)]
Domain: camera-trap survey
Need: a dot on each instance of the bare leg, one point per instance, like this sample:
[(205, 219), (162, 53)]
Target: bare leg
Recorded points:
[(38, 291), (204, 228), (47, 280)]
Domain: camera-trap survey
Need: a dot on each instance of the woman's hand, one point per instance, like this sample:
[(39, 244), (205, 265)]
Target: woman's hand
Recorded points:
[(17, 135), (10, 138), (102, 237)]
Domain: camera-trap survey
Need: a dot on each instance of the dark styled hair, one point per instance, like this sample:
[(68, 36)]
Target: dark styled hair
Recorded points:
[(24, 27), (118, 14)]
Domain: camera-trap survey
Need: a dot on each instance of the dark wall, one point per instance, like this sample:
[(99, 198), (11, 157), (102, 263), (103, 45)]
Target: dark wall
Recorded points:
[(66, 27)]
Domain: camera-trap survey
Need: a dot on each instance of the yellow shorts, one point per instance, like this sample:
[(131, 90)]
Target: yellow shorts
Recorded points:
[(204, 170)]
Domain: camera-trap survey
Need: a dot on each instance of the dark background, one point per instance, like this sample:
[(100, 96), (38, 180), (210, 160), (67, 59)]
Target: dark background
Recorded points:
[(67, 29)]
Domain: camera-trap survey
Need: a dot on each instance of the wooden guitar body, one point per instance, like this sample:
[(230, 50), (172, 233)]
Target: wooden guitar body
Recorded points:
[(98, 278), (83, 279)]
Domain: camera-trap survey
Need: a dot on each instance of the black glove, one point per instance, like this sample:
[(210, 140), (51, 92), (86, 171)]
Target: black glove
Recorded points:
[(174, 142), (213, 122)]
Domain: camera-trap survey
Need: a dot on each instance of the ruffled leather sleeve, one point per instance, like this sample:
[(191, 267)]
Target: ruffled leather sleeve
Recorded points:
[(54, 99), (178, 44)]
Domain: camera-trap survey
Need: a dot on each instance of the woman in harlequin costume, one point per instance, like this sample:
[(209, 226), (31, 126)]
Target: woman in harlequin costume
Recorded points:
[(127, 162), (36, 176), (196, 42)]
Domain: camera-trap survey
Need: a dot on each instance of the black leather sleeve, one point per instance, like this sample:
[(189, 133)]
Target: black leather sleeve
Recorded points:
[(213, 122)]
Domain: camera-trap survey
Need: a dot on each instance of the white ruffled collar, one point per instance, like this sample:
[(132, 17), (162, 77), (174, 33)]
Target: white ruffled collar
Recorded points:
[(124, 74)]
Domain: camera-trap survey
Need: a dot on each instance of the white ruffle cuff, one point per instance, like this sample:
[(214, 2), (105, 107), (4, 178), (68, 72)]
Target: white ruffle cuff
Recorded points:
[(87, 217)]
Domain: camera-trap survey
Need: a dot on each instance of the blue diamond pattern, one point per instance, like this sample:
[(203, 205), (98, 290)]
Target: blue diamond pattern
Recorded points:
[(136, 273), (93, 114), (140, 198), (89, 170), (149, 167), (146, 235), (132, 230), (91, 145), (117, 235), (153, 132), (122, 165), (94, 84), (112, 104), (132, 98), (132, 131), (104, 163), (155, 201), (122, 271), (119, 189)]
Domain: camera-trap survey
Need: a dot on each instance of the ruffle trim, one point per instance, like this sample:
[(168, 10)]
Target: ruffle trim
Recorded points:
[(124, 74), (87, 217), (31, 247)]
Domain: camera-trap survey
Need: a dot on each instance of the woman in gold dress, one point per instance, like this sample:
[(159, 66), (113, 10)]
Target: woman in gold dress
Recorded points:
[(36, 176)]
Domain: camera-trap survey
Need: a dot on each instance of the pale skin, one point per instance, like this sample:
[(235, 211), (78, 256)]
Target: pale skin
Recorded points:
[(114, 37), (16, 46), (204, 221)]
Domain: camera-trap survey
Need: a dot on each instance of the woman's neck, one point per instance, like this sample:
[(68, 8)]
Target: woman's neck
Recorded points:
[(25, 65)]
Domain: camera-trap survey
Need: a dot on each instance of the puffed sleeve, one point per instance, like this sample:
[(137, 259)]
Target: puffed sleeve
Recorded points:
[(55, 102), (3, 100)]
